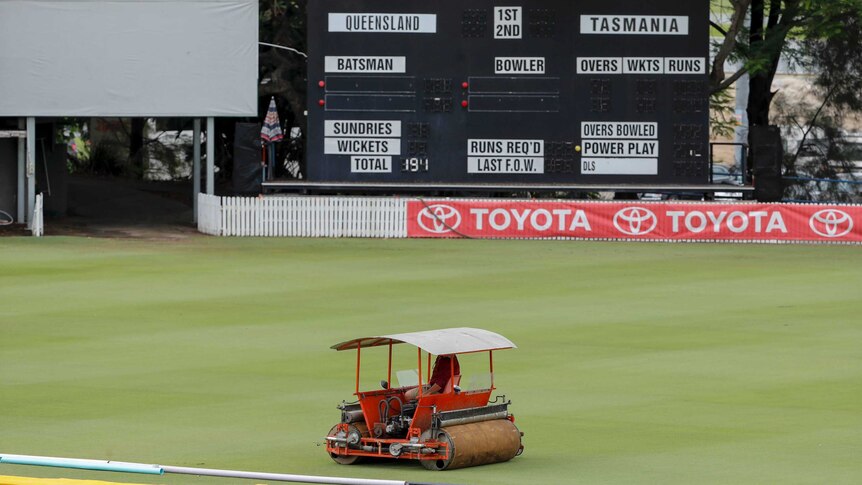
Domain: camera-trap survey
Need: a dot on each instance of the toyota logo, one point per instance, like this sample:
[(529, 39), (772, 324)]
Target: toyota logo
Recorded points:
[(439, 219), (831, 223), (635, 221)]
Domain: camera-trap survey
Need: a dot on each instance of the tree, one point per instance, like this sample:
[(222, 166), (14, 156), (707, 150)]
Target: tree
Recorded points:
[(769, 27), (726, 48), (825, 38), (835, 54), (283, 68), (761, 44)]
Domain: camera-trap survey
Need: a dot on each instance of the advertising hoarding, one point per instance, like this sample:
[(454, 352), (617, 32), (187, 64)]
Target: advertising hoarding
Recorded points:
[(663, 221)]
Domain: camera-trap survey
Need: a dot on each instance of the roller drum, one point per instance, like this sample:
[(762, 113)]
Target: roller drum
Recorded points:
[(475, 444)]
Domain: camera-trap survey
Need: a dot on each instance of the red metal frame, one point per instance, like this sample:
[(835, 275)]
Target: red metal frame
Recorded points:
[(427, 405), (358, 352), (389, 371), (491, 363)]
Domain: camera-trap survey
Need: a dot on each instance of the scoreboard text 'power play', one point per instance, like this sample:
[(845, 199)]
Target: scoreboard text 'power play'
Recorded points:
[(480, 92)]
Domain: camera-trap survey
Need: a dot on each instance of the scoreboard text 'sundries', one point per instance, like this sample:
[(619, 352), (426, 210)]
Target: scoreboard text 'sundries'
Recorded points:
[(541, 92)]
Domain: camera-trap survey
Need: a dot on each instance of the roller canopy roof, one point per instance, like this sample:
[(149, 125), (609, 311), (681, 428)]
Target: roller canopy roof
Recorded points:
[(438, 342)]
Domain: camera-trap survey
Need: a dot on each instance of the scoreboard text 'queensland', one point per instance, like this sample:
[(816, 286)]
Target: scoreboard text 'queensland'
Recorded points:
[(586, 92)]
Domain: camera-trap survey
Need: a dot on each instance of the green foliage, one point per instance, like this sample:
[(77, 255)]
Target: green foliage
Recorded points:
[(73, 134), (836, 54), (722, 114), (105, 159), (821, 147), (765, 40)]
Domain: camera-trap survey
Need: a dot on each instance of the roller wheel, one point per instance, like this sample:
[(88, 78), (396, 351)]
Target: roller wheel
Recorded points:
[(438, 465), (343, 459)]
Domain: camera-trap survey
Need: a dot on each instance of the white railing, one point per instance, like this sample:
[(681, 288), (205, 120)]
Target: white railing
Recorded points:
[(37, 220), (288, 216)]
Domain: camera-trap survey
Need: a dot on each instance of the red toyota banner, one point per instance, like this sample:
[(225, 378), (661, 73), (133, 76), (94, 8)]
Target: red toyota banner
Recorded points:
[(657, 221)]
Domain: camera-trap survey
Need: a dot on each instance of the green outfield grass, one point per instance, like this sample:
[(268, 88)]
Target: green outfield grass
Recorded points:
[(638, 363)]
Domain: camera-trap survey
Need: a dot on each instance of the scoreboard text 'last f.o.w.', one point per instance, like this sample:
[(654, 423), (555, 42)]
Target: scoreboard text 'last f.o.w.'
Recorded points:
[(476, 92)]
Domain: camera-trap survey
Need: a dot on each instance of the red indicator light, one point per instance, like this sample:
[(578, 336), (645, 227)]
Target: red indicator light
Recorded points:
[(321, 102), (321, 84), (465, 85), (464, 104)]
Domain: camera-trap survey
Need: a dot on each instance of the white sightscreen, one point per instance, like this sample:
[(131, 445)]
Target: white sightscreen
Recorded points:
[(128, 58)]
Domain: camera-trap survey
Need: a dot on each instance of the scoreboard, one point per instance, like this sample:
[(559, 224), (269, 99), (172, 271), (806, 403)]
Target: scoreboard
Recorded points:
[(587, 92)]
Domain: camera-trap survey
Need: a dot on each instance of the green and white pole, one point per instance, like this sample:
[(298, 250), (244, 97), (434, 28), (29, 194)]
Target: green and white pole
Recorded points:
[(125, 467), (97, 465)]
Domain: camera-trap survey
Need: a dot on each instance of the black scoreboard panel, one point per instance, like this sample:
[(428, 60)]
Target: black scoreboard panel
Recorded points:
[(586, 92)]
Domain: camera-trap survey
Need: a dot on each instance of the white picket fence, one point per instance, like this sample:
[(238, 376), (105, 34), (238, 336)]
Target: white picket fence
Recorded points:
[(209, 214), (37, 219), (303, 216)]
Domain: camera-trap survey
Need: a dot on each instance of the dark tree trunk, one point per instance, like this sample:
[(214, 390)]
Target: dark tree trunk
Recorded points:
[(759, 99), (760, 84), (770, 40), (136, 142)]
